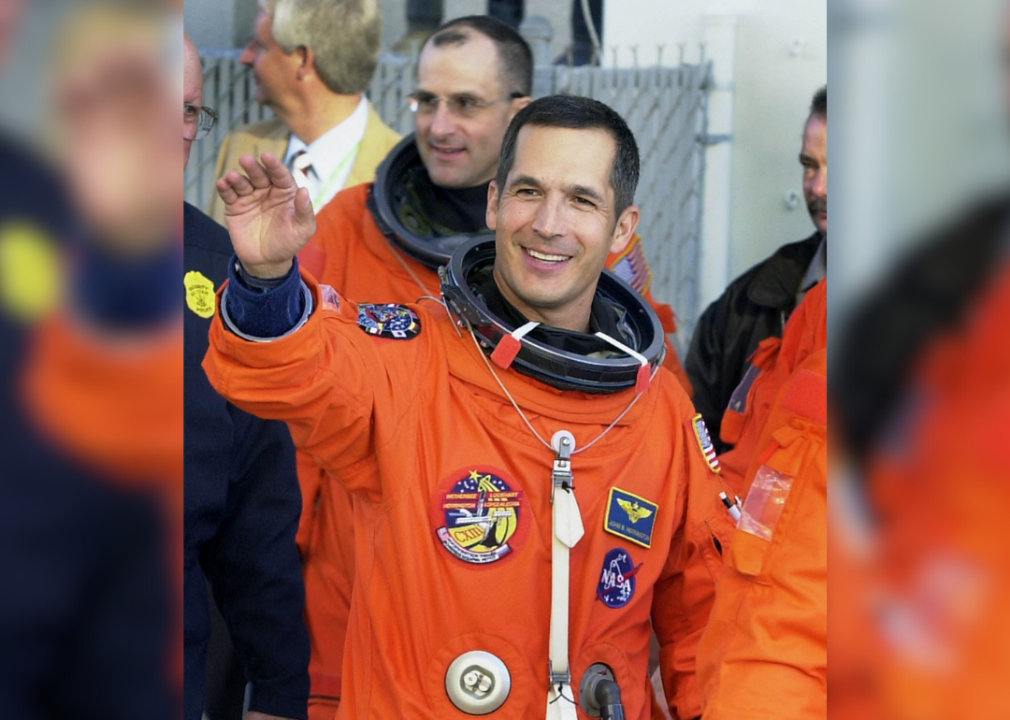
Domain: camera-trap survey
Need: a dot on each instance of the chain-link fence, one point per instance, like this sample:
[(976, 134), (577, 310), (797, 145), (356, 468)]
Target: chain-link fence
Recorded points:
[(666, 108)]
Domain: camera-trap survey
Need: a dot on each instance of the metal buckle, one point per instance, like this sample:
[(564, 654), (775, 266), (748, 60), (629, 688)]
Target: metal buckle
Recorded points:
[(561, 678), (561, 475)]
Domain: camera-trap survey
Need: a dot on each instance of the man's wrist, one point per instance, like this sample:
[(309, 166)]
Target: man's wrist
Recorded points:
[(268, 271), (255, 282)]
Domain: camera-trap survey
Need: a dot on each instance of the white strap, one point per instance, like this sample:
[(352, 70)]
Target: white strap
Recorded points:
[(520, 332), (623, 348), (567, 531)]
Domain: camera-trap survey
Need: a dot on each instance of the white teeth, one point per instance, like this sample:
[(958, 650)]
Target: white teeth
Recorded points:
[(545, 257)]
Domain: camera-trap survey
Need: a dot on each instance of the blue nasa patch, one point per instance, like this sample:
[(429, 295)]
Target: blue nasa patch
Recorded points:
[(389, 321), (617, 581), (630, 517)]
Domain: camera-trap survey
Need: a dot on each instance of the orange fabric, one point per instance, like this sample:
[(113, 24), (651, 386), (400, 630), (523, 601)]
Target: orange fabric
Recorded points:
[(764, 653), (400, 439), (118, 408), (939, 491), (805, 333), (350, 253)]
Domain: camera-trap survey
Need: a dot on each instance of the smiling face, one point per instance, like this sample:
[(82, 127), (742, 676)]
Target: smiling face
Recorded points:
[(461, 150), (555, 224)]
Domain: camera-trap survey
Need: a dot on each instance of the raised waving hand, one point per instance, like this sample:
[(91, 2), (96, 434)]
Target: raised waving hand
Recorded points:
[(269, 218)]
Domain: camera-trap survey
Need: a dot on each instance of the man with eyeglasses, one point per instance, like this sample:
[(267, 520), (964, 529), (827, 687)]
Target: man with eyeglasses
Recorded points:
[(197, 122), (241, 494), (383, 243), (311, 61)]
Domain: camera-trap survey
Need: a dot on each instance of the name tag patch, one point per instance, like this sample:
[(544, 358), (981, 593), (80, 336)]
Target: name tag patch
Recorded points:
[(630, 517)]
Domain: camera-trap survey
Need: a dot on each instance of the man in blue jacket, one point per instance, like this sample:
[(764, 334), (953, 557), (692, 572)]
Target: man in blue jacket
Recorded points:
[(242, 499)]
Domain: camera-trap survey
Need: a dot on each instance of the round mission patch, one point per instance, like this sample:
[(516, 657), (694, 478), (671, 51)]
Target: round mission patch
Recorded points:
[(389, 321), (480, 515)]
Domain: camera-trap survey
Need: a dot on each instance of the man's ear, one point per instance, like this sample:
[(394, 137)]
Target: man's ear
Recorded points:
[(625, 228), (306, 61), (518, 104), (491, 215)]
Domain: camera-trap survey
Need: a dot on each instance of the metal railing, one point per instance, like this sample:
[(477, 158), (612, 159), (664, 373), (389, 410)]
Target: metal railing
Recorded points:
[(666, 108)]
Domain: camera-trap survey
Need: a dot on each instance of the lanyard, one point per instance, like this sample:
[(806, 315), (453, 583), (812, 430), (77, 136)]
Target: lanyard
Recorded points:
[(319, 200)]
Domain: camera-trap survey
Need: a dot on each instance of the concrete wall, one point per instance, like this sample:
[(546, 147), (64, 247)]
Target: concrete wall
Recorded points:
[(779, 60)]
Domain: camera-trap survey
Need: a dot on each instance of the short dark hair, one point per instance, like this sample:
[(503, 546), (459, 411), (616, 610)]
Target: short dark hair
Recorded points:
[(819, 106), (515, 57), (578, 113)]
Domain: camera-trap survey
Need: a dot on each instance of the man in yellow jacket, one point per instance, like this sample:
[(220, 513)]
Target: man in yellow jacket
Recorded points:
[(311, 62)]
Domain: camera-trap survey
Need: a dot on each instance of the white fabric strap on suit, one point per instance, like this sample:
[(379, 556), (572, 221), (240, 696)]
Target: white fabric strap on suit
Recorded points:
[(568, 530)]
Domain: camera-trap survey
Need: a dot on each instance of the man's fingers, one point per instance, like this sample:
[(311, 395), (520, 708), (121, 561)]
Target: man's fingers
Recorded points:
[(280, 176), (257, 175), (225, 190), (303, 208), (238, 182)]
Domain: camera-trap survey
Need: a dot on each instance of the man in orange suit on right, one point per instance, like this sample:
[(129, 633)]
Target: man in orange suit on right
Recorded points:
[(764, 651)]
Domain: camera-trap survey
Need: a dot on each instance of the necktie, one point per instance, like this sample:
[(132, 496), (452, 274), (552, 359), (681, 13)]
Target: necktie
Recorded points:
[(304, 174)]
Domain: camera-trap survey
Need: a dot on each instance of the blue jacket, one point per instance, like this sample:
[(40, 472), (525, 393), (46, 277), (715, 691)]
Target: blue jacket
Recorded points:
[(242, 504)]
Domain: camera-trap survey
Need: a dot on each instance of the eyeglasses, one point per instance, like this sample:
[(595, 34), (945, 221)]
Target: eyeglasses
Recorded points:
[(197, 121), (461, 106)]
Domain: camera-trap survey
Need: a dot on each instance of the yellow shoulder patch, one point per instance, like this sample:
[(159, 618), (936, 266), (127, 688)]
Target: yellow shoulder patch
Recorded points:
[(30, 270), (199, 293)]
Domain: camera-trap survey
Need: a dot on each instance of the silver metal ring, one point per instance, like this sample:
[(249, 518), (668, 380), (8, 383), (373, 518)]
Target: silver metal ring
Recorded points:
[(477, 682)]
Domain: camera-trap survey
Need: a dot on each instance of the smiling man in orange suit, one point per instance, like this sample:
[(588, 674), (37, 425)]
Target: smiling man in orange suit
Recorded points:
[(482, 586), (382, 242)]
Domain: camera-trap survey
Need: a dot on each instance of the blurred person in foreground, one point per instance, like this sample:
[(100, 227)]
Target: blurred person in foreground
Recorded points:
[(764, 653), (404, 406), (90, 497), (382, 242), (242, 497), (758, 303), (924, 422), (312, 61)]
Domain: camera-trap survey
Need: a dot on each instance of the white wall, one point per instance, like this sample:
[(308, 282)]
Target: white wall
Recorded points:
[(780, 61)]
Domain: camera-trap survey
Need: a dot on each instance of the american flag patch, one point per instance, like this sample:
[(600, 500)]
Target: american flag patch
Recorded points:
[(705, 443), (632, 267)]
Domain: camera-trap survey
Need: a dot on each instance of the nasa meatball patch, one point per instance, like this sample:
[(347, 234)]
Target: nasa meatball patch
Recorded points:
[(480, 515), (389, 321), (617, 580)]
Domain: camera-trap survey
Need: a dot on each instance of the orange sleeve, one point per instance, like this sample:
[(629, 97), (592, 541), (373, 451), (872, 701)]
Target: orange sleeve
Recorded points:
[(685, 593), (342, 391), (310, 479)]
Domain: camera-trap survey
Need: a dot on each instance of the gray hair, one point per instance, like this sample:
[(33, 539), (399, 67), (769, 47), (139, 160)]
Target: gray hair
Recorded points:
[(344, 35)]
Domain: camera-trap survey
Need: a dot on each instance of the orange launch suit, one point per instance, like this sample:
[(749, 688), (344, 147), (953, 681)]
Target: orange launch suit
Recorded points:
[(402, 423)]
